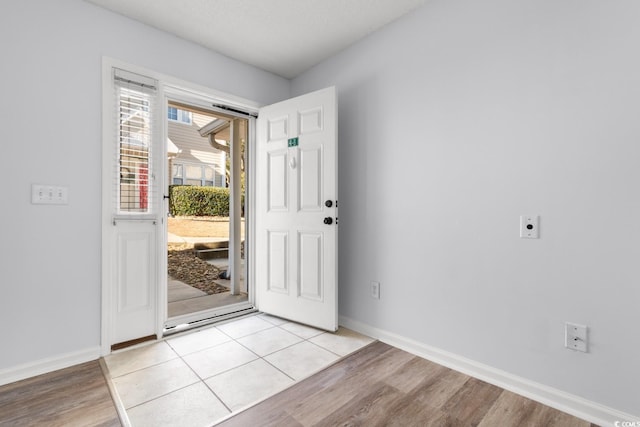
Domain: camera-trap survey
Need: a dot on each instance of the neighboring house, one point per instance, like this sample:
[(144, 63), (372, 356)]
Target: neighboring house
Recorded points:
[(192, 159), (135, 137)]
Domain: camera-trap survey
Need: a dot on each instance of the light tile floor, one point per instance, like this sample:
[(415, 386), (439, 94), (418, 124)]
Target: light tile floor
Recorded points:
[(200, 377)]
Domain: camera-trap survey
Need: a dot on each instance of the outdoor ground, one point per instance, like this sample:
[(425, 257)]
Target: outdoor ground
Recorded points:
[(182, 263), (205, 226)]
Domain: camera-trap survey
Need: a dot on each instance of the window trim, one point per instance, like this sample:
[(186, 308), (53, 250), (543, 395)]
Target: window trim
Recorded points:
[(180, 114), (203, 178)]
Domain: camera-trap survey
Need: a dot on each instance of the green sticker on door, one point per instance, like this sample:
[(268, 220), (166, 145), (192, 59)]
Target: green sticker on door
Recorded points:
[(293, 142)]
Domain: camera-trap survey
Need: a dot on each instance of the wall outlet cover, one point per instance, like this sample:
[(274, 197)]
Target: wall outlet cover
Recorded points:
[(375, 290), (575, 337), (529, 226)]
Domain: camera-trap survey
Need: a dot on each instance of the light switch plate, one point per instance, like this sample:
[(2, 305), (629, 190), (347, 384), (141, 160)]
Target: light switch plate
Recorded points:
[(49, 195), (529, 226)]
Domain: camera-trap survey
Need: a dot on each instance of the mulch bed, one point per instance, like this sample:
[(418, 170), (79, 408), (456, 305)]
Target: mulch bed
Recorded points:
[(183, 265)]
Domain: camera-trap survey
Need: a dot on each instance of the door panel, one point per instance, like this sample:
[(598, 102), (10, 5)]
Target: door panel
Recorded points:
[(310, 273), (310, 121), (278, 128), (277, 181), (278, 256), (136, 290), (132, 246), (310, 188), (296, 265)]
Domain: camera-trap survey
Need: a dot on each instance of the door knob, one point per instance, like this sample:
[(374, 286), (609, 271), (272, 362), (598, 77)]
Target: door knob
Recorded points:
[(328, 220), (328, 203)]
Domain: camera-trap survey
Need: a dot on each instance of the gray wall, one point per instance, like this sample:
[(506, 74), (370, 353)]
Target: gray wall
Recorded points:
[(459, 118), (453, 122), (50, 81)]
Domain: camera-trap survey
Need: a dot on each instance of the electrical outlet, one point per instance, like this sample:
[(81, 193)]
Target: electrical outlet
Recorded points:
[(575, 337), (529, 225), (375, 290)]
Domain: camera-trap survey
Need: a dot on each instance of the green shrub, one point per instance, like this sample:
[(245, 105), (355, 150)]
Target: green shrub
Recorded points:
[(187, 200)]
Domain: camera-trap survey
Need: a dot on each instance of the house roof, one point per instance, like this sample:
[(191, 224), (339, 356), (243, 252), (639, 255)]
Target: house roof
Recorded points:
[(172, 149), (218, 127)]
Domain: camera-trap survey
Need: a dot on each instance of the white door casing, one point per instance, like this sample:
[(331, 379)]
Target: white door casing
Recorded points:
[(296, 249)]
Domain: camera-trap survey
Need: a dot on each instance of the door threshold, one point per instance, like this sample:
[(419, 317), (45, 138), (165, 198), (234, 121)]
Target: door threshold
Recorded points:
[(130, 343), (199, 322)]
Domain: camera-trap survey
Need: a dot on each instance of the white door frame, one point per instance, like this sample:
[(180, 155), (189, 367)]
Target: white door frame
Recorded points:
[(200, 99), (176, 89)]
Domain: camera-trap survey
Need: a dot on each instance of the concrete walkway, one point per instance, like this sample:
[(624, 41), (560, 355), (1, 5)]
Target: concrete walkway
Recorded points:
[(179, 291), (185, 299), (174, 238)]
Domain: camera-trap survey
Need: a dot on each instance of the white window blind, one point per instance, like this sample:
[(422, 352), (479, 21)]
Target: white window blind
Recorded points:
[(135, 184)]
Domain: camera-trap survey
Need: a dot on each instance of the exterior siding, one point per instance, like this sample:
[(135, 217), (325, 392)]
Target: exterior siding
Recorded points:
[(196, 150)]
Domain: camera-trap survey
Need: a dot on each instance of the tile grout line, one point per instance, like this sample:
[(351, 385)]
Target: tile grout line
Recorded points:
[(324, 348), (235, 340), (217, 397), (200, 379), (146, 367), (295, 381), (273, 352), (163, 395), (202, 349), (212, 392), (179, 356), (289, 346), (204, 382), (263, 358), (259, 357)]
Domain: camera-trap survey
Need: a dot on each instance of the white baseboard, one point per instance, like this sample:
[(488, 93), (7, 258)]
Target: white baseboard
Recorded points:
[(43, 366), (566, 402)]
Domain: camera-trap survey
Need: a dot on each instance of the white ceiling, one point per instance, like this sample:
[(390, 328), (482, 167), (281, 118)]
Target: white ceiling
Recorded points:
[(285, 37)]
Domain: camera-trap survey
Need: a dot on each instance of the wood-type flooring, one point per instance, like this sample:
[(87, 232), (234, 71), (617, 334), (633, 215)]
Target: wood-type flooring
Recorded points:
[(75, 396), (383, 386), (377, 386)]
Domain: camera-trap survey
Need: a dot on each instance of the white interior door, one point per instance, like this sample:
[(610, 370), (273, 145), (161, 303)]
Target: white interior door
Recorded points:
[(296, 210)]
